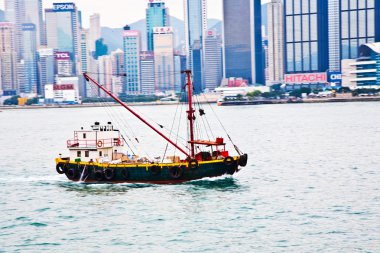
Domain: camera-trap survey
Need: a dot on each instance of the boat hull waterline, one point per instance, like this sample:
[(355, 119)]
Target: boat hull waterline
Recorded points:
[(159, 173)]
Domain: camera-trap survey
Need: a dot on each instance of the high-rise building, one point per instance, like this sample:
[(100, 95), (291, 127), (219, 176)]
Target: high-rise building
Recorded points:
[(275, 42), (95, 32), (147, 72), (64, 64), (213, 60), (2, 16), (306, 36), (118, 71), (15, 14), (195, 28), (62, 30), (33, 14), (157, 15), (243, 52), (30, 71), (359, 24), (334, 37), (164, 58), (46, 67), (84, 50), (105, 71), (8, 59), (177, 73), (132, 48)]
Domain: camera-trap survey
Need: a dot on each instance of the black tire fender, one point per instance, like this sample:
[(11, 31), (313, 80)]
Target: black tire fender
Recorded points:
[(175, 172), (109, 173), (229, 160), (193, 164)]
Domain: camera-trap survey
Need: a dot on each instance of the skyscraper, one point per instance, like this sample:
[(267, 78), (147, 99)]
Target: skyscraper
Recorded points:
[(243, 51), (164, 58), (46, 67), (95, 32), (132, 48), (195, 27), (156, 16), (118, 71), (147, 72), (359, 24), (8, 59), (33, 15), (213, 60), (275, 42), (30, 71), (15, 14), (62, 30), (306, 36)]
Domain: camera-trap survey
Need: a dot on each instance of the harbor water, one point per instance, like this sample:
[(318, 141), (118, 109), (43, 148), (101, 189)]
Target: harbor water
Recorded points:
[(312, 184)]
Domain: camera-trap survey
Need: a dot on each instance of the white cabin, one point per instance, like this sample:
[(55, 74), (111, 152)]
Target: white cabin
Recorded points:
[(101, 144)]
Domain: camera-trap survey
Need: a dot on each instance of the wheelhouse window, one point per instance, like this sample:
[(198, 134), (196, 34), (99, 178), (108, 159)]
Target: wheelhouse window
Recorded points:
[(100, 153), (84, 136), (87, 153), (79, 153)]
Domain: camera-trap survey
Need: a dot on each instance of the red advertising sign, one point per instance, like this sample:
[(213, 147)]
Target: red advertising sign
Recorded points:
[(62, 55), (64, 87), (306, 78)]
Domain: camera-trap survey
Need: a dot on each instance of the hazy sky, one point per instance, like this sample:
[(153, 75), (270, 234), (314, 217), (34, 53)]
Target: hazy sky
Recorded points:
[(117, 13)]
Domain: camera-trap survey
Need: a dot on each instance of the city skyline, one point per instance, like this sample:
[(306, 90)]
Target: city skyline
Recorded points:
[(108, 11)]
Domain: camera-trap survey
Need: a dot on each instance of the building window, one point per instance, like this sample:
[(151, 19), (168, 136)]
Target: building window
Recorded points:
[(87, 153), (79, 153)]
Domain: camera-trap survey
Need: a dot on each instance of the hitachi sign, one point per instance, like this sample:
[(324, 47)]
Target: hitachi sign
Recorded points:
[(64, 7), (308, 78)]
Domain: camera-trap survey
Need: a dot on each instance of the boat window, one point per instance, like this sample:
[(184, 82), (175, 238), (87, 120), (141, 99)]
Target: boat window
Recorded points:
[(79, 153), (84, 136), (100, 153), (87, 154)]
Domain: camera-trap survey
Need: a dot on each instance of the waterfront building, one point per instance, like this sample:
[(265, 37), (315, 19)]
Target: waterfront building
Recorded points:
[(8, 59), (164, 58), (157, 15), (243, 52), (33, 14), (132, 48), (46, 67), (195, 28), (62, 30), (275, 42), (147, 72), (30, 83), (364, 72), (213, 63), (306, 36), (95, 32), (65, 90)]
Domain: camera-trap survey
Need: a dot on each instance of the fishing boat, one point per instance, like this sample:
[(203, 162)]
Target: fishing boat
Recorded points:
[(97, 156)]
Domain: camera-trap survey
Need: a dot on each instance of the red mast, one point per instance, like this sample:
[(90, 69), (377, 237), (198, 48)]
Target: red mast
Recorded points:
[(191, 111), (88, 78)]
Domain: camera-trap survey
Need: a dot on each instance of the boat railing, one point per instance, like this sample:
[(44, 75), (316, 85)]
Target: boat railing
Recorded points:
[(99, 143)]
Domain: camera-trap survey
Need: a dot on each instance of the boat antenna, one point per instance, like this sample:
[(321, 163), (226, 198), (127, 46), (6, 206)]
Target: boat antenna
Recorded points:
[(109, 93)]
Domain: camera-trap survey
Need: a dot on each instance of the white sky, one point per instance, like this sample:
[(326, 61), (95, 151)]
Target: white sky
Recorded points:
[(117, 13)]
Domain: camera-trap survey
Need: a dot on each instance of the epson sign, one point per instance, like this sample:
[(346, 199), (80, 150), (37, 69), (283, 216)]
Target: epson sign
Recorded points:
[(64, 7)]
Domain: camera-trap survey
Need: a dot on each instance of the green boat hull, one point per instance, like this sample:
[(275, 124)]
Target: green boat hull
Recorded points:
[(145, 173)]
